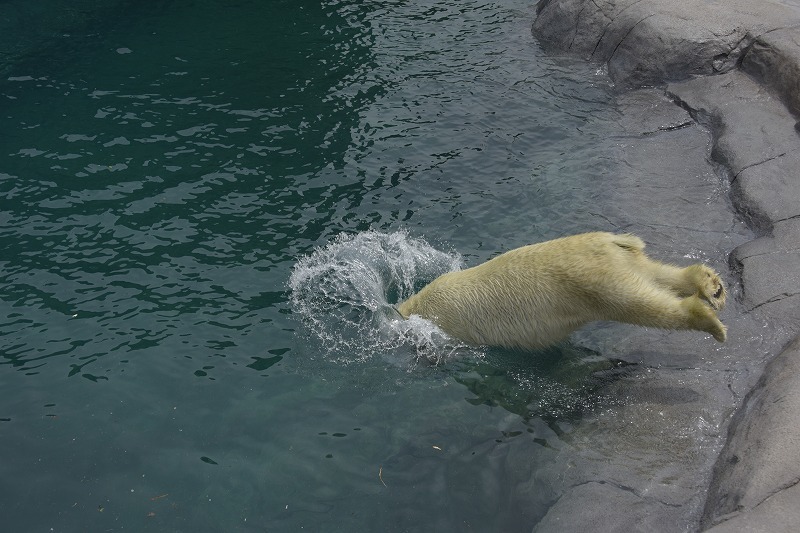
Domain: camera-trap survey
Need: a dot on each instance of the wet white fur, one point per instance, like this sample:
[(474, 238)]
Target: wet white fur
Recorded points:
[(536, 295)]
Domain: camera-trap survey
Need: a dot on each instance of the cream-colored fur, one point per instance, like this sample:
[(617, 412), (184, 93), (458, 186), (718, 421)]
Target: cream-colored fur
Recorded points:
[(535, 295)]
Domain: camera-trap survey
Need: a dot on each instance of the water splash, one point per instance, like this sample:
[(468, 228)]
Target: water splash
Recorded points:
[(345, 292)]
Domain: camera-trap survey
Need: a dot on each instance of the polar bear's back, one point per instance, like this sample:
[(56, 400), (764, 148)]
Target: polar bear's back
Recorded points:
[(530, 296)]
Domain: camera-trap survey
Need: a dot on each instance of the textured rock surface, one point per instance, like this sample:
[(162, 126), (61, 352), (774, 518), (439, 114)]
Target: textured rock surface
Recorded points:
[(647, 42), (765, 454), (774, 58), (755, 139), (777, 514), (638, 514), (734, 65)]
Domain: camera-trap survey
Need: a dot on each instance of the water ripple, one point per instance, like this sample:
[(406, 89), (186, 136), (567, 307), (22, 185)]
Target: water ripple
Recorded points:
[(159, 194)]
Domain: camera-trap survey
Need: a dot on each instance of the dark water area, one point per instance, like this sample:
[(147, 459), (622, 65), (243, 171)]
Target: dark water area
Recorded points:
[(164, 166)]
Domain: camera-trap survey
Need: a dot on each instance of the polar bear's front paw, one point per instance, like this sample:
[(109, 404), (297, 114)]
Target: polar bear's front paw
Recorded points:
[(721, 334), (711, 288), (703, 318)]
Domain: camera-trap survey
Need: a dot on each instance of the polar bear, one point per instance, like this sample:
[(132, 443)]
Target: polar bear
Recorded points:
[(536, 295)]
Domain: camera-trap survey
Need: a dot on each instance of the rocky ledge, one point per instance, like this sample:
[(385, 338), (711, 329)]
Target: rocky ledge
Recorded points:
[(734, 65)]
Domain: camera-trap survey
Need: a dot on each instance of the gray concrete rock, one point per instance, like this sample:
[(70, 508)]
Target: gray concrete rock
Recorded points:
[(769, 192), (774, 58), (749, 125), (623, 511), (647, 42), (769, 270), (742, 62), (757, 474), (778, 514), (755, 139)]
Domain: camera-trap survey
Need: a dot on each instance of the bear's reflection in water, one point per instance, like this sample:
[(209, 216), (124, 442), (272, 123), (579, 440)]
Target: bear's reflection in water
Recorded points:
[(556, 384)]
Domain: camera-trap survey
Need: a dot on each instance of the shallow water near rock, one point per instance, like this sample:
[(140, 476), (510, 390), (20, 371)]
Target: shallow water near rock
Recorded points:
[(208, 211)]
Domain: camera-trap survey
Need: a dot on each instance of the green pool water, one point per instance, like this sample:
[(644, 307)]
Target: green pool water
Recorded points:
[(164, 169)]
